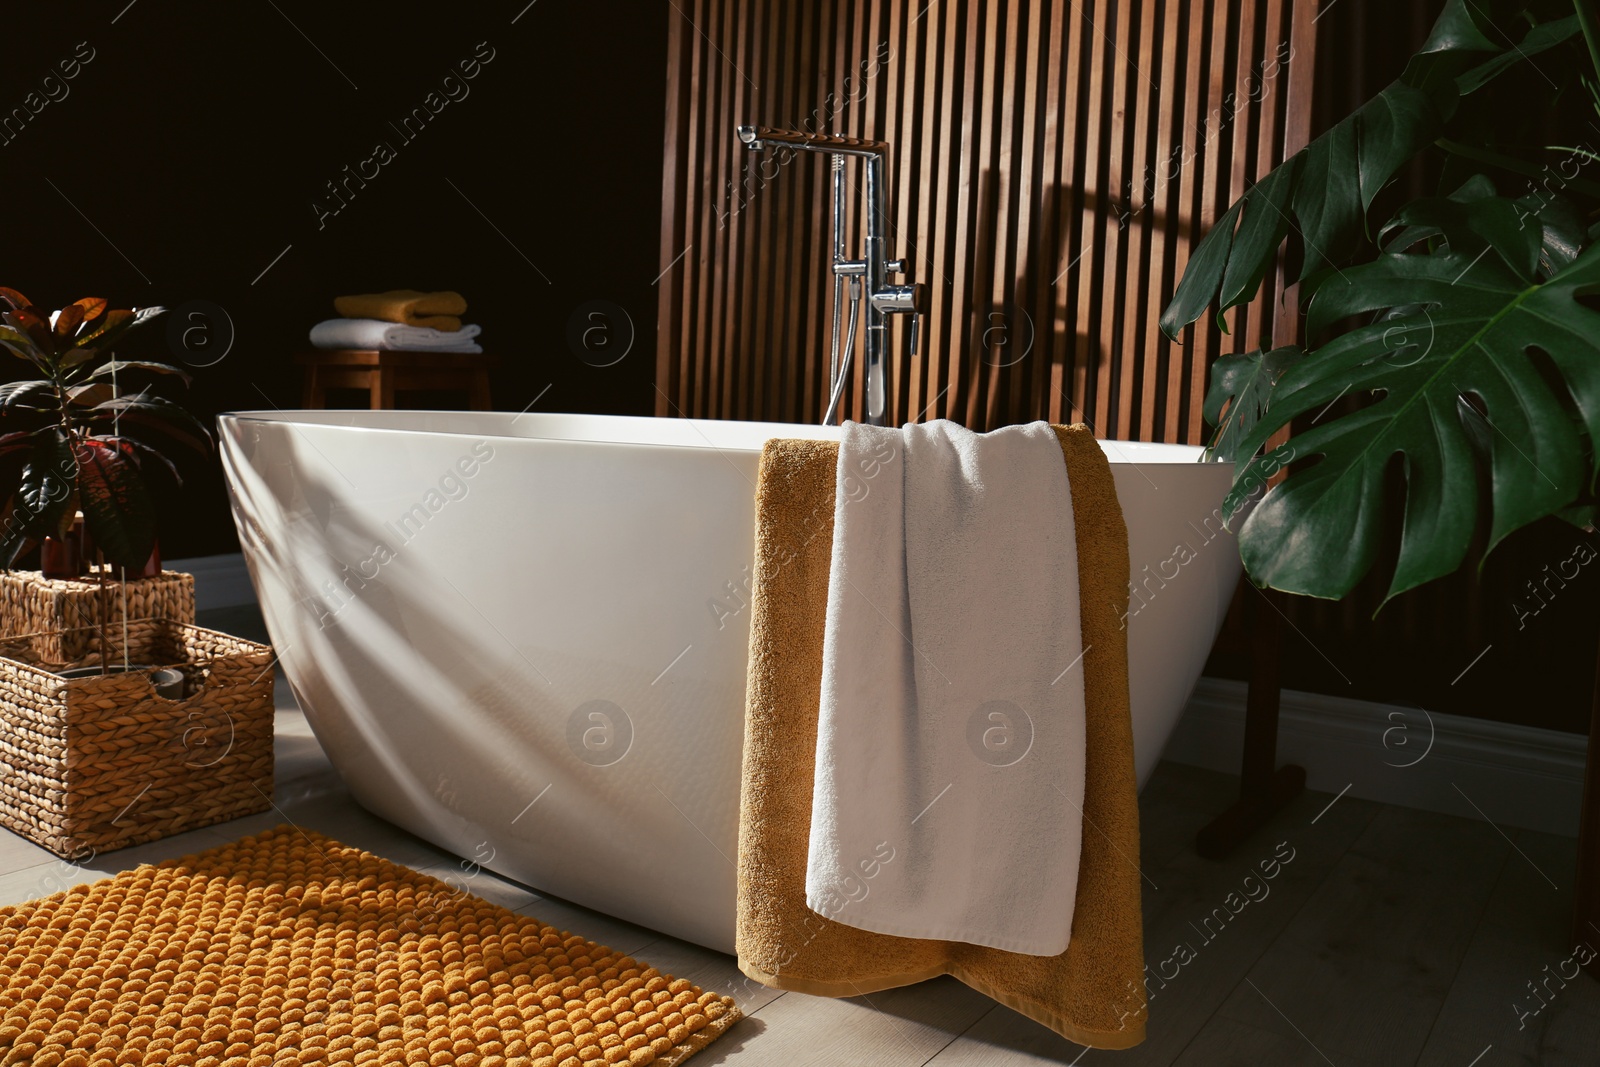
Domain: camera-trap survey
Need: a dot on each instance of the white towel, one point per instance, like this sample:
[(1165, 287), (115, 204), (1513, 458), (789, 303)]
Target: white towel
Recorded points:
[(950, 742), (368, 334)]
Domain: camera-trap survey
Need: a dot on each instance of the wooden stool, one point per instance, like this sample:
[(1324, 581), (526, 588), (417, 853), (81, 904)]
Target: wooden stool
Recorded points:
[(383, 373)]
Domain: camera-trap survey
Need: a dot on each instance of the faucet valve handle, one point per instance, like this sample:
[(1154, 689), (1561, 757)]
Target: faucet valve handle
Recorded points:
[(895, 266), (899, 299)]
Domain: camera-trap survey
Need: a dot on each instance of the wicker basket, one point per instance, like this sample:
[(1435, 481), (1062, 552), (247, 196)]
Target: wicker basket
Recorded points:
[(102, 762), (65, 612)]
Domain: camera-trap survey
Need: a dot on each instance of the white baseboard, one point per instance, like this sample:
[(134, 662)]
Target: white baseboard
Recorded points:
[(1520, 776), (219, 581)]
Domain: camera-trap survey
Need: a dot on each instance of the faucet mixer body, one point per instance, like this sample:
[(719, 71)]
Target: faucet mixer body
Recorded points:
[(869, 273)]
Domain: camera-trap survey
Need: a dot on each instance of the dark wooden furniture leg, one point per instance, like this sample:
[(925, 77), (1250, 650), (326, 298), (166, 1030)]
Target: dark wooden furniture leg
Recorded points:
[(1586, 908), (1264, 787), (313, 395), (382, 388), (478, 390)]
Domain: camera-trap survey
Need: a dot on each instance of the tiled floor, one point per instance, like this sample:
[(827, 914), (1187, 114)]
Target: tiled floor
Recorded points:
[(1388, 936)]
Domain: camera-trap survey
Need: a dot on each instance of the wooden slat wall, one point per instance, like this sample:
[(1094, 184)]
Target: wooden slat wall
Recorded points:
[(1054, 163), (1033, 148)]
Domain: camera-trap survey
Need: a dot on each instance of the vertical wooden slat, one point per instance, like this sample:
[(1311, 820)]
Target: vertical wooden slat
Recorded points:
[(942, 167), (778, 345), (1089, 175), (993, 153), (1213, 156), (1044, 254), (1240, 163), (748, 46), (1271, 105), (1163, 212), (698, 399), (675, 160), (1070, 240), (1020, 269)]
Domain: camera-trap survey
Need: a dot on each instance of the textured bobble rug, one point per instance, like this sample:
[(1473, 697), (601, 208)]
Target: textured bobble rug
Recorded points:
[(289, 948)]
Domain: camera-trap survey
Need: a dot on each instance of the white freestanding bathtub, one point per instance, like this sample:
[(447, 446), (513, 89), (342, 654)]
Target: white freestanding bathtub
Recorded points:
[(523, 637)]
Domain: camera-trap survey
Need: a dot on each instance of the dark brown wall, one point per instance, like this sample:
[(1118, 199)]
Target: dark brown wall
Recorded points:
[(187, 155)]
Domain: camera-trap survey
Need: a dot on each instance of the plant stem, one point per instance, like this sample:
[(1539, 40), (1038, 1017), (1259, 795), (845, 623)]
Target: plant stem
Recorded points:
[(1514, 165), (1591, 30)]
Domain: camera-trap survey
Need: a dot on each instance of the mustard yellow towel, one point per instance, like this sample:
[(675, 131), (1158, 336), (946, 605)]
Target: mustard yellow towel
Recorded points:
[(436, 311), (1092, 993)]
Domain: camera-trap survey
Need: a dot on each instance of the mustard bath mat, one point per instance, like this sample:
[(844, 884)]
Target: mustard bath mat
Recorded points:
[(290, 948)]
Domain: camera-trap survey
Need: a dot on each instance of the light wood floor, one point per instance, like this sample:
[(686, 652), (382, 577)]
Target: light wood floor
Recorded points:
[(1392, 937)]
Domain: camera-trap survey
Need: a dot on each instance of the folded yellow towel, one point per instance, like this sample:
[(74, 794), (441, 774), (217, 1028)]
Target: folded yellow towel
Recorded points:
[(1093, 993), (436, 311)]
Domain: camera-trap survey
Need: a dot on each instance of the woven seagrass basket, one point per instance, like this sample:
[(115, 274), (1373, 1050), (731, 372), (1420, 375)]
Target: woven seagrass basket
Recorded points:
[(64, 613), (102, 762)]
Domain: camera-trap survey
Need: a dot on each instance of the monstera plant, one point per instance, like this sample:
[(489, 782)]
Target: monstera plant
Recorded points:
[(83, 434), (1453, 384)]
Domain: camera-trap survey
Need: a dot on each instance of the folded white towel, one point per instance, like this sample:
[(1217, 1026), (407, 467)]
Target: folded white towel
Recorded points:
[(950, 742), (367, 334)]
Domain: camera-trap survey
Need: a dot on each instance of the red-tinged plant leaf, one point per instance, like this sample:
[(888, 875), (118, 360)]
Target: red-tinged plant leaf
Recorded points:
[(116, 506), (158, 413), (27, 321), (142, 454), (117, 320), (90, 394), (154, 432), (14, 536), (67, 320), (99, 342), (15, 442), (122, 370), (29, 396), (44, 492), (16, 342), (93, 307), (13, 299), (27, 407)]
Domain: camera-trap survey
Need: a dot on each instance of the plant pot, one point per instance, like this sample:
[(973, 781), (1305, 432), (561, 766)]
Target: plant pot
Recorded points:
[(66, 557), (71, 609)]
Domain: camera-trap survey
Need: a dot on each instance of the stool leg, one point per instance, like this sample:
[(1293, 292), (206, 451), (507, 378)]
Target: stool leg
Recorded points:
[(312, 395), (478, 391), (383, 389)]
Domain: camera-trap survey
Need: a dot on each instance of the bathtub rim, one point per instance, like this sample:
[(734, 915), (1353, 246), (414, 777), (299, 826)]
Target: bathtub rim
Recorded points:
[(1130, 453)]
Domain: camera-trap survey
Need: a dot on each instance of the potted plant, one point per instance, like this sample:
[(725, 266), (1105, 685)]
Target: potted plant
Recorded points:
[(79, 436), (1456, 347), (83, 436), (178, 731)]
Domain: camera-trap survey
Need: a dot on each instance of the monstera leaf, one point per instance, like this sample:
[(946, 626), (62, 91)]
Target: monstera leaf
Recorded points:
[(1484, 372), (1244, 383), (1326, 188)]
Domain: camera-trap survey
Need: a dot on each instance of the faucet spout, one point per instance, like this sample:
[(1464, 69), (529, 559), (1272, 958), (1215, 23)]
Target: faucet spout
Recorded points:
[(757, 138), (870, 272)]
